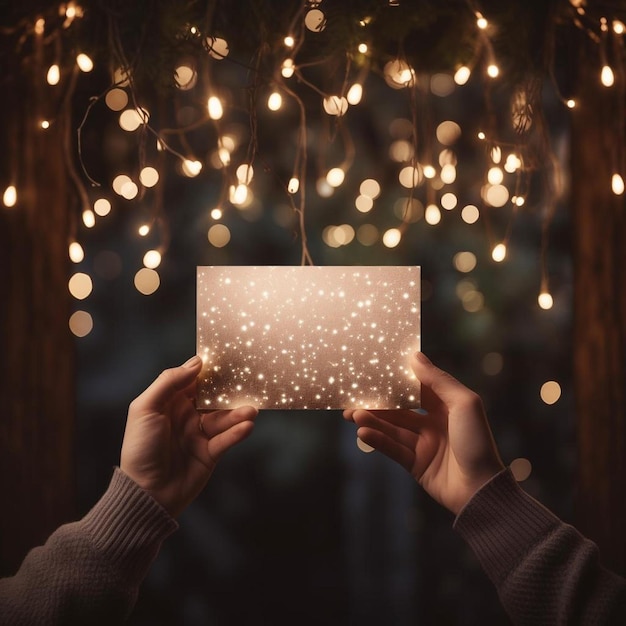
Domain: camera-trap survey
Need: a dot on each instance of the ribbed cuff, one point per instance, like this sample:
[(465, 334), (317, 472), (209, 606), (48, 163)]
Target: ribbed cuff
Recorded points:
[(127, 526), (501, 523)]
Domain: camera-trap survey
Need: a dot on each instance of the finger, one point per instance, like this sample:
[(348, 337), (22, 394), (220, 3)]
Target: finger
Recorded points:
[(398, 433), (348, 413), (216, 422), (402, 418), (168, 383), (388, 446), (218, 445)]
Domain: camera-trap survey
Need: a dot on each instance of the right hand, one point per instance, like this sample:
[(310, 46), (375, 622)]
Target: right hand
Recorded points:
[(450, 451)]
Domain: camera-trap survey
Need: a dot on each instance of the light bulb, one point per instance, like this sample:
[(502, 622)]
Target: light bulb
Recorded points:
[(9, 197), (54, 75), (606, 76), (84, 62)]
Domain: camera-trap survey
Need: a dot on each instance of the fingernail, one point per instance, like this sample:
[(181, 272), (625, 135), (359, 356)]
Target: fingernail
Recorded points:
[(194, 361), (421, 357)]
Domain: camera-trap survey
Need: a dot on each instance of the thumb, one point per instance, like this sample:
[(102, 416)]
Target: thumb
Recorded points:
[(167, 384)]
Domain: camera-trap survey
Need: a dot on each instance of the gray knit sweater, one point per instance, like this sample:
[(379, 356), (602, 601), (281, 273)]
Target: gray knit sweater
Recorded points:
[(89, 572), (545, 571)]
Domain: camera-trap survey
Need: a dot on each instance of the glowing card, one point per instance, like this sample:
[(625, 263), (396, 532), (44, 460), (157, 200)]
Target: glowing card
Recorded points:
[(308, 337)]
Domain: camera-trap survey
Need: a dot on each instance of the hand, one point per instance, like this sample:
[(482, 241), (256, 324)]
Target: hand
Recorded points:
[(165, 451), (449, 451)]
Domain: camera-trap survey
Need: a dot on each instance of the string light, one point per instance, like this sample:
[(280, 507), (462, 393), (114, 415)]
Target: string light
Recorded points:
[(152, 259), (362, 48), (289, 41), (84, 62), (44, 124), (481, 22), (214, 106), (76, 252), (462, 75), (493, 70), (54, 75), (571, 103), (606, 76), (288, 68), (102, 207), (143, 230), (335, 176), (355, 93), (545, 300), (9, 197), (293, 186), (498, 254), (617, 184), (274, 101)]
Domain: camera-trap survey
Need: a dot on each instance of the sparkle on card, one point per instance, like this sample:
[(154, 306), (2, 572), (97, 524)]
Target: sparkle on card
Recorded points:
[(308, 337)]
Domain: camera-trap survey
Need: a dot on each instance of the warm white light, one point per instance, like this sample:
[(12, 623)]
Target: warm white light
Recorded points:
[(496, 195), (364, 204), (432, 214), (149, 176), (191, 167), (84, 62), (217, 213), (152, 259), (289, 41), (409, 176), (571, 103), (185, 77), (119, 182), (355, 93), (481, 22), (121, 77), (498, 254), (147, 281), (464, 261), (495, 175), (470, 214), (9, 198), (545, 300), (512, 163), (102, 207), (116, 99), (493, 70), (217, 47), (129, 190), (618, 27), (76, 252), (245, 173), (448, 174), (461, 76), (362, 48), (448, 201), (54, 75), (214, 105), (550, 392), (323, 189), (370, 187), (315, 20), (429, 171), (481, 135), (606, 76), (275, 101), (219, 235), (617, 184), (238, 194), (45, 124), (448, 132), (335, 177), (80, 285), (294, 185), (399, 74), (89, 218), (132, 119), (40, 26), (518, 200), (335, 105), (143, 230), (287, 68), (392, 237), (81, 323)]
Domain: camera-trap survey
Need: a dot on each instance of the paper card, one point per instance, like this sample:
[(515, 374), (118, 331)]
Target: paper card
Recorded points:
[(308, 337)]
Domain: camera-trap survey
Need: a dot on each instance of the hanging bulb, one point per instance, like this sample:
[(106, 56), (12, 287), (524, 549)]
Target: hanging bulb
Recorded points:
[(617, 184), (54, 75), (9, 198), (606, 76), (498, 254), (355, 93), (545, 300)]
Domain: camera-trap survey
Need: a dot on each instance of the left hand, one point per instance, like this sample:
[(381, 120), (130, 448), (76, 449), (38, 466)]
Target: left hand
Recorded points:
[(164, 450)]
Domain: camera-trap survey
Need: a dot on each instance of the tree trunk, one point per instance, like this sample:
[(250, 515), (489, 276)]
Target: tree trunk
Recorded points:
[(36, 376), (600, 312)]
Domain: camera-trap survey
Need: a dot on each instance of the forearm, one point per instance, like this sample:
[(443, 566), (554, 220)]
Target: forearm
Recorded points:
[(545, 571), (89, 571)]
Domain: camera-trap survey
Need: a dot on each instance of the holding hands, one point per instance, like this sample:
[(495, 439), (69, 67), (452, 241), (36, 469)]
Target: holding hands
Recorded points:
[(170, 449), (449, 450)]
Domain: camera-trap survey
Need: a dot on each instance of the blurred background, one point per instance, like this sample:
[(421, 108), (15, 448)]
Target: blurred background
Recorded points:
[(425, 166)]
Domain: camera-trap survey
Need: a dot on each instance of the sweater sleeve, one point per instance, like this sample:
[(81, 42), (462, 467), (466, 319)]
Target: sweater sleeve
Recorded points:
[(545, 571), (89, 572)]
